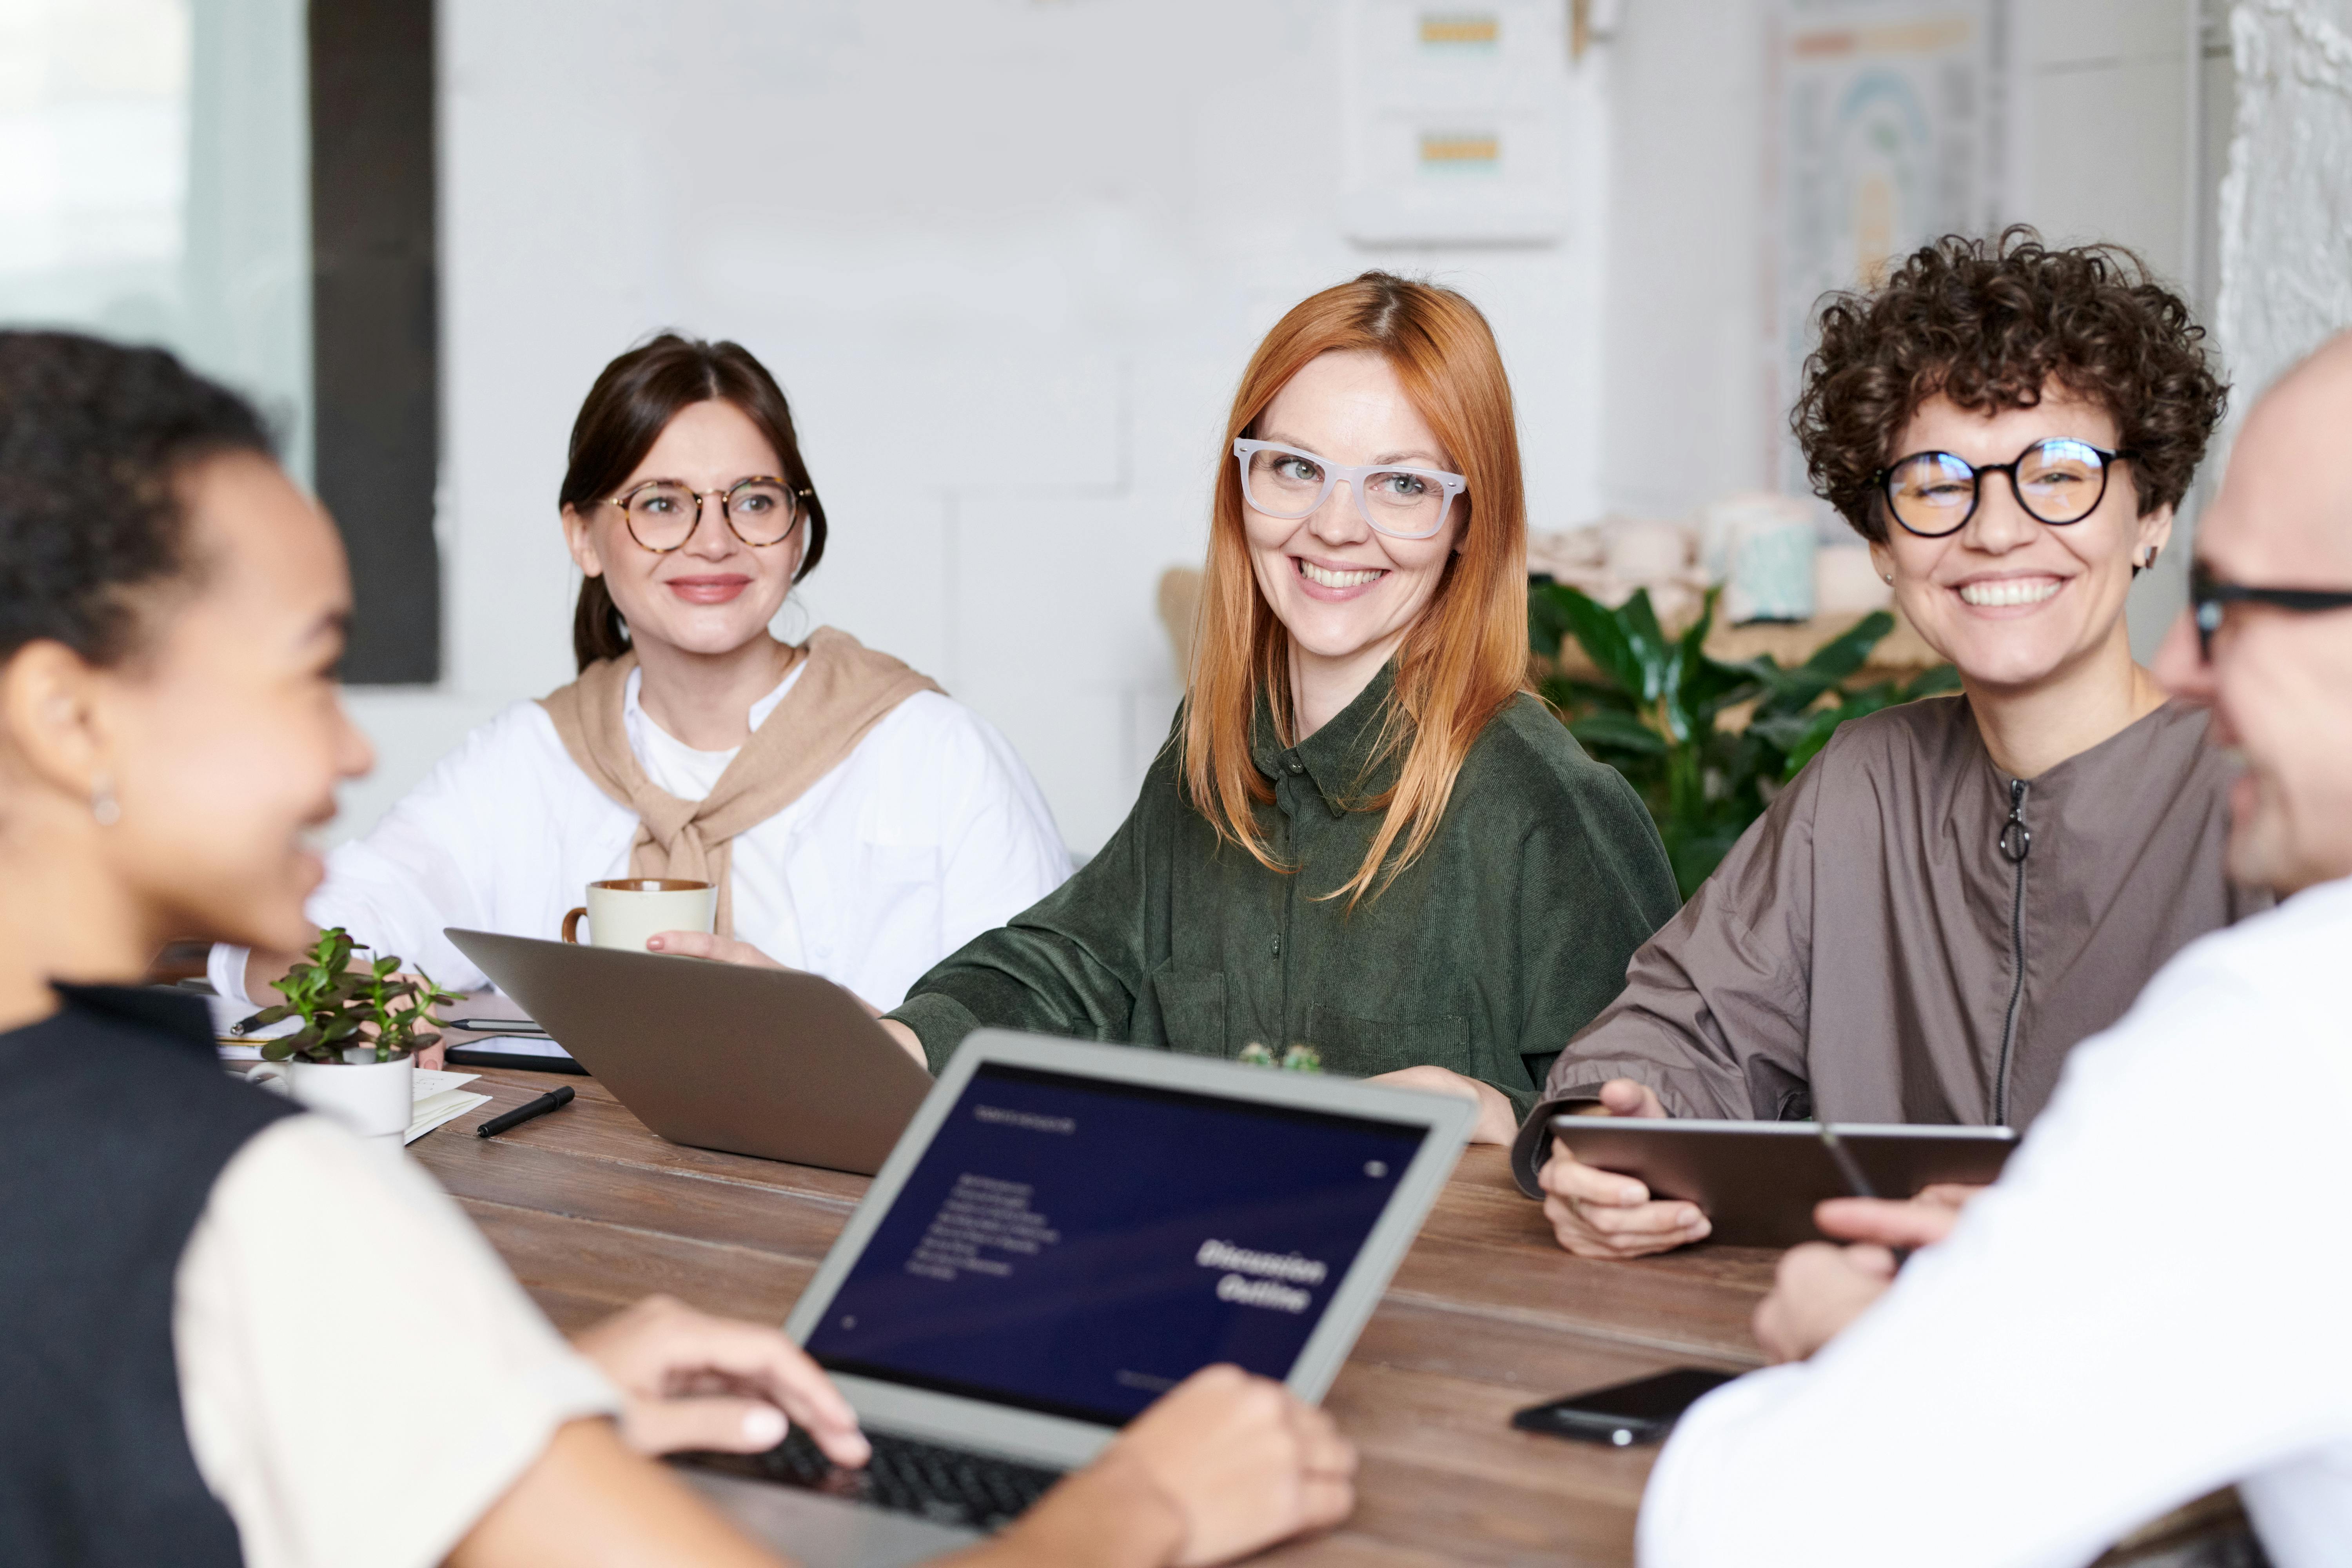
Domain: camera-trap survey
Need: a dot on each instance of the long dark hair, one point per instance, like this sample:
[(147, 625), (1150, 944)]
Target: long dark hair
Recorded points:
[(633, 402)]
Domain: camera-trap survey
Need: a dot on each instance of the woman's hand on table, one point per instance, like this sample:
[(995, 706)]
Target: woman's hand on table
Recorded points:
[(1221, 1466), (1600, 1213), (1820, 1288), (1498, 1119), (693, 1381)]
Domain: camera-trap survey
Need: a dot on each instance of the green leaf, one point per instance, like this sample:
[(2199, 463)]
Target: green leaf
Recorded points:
[(1850, 649), (1601, 635)]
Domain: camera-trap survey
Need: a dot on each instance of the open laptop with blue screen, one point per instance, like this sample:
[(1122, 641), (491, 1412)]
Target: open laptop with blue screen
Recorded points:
[(1064, 1232)]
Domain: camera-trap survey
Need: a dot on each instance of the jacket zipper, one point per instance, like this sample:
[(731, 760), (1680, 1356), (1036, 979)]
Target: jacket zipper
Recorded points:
[(2016, 844)]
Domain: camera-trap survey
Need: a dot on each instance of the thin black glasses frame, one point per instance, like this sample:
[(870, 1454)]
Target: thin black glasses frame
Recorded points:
[(2209, 596), (1884, 481)]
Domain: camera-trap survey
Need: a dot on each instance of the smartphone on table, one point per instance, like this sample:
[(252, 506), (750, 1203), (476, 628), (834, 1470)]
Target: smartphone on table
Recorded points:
[(1625, 1414)]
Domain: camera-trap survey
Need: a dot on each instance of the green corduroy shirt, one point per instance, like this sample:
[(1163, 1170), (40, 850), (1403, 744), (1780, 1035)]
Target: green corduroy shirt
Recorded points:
[(1507, 935)]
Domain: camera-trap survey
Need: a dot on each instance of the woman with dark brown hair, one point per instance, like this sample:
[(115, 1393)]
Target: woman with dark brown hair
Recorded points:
[(1366, 837), (1957, 892), (856, 822)]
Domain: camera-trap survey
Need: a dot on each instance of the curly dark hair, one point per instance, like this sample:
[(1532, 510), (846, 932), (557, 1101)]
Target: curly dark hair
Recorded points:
[(1990, 324), (93, 440)]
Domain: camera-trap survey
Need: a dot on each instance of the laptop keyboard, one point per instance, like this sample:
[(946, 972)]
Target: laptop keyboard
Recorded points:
[(947, 1486)]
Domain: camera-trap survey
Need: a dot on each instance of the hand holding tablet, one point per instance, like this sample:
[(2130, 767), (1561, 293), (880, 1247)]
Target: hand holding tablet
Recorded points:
[(1596, 1213), (1758, 1183)]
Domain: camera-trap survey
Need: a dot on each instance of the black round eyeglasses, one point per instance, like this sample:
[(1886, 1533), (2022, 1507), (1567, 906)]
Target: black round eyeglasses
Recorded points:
[(2058, 480)]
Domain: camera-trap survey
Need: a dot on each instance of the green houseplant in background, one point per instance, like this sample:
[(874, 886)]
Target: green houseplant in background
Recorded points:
[(1655, 713)]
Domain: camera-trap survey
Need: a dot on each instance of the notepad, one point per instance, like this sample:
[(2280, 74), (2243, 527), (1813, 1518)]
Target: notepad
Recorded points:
[(440, 1098)]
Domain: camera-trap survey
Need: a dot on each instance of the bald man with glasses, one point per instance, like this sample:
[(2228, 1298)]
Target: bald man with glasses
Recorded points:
[(2156, 1298)]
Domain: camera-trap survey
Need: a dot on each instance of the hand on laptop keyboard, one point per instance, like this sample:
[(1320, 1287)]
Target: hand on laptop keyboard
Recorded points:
[(1221, 1466), (946, 1485), (1242, 1459), (693, 1381)]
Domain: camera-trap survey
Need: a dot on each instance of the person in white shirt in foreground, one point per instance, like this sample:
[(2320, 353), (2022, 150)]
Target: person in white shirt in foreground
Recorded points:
[(858, 822), (2153, 1300)]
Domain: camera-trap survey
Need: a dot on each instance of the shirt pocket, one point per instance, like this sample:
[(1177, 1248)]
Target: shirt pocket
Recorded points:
[(1191, 1009), (1363, 1047)]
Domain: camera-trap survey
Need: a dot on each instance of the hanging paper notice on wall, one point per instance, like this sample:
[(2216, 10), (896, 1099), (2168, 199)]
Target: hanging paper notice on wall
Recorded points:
[(1459, 123), (1888, 129)]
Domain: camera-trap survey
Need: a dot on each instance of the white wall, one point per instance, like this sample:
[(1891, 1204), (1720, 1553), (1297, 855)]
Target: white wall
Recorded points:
[(2103, 142), (1007, 259)]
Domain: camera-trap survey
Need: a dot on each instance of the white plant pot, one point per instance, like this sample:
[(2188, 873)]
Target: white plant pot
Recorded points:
[(375, 1099)]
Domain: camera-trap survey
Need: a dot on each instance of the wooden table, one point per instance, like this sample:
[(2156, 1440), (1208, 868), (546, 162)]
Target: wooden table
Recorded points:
[(1486, 1315)]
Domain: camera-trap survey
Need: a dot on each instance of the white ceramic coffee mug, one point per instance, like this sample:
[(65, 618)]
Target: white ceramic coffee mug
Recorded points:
[(625, 912), (375, 1099)]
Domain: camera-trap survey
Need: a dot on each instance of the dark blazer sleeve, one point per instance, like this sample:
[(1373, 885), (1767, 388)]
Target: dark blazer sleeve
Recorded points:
[(1716, 1008)]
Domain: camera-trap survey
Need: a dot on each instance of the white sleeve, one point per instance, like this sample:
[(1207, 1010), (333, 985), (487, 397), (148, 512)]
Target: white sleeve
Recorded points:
[(361, 1376), (429, 863), (1000, 850), (2140, 1311)]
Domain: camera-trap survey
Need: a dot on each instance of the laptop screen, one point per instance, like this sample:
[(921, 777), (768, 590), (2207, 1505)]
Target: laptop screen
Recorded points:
[(1078, 1248)]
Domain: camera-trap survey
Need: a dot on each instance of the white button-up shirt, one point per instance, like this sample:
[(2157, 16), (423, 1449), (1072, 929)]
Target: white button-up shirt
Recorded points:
[(2151, 1303), (930, 832)]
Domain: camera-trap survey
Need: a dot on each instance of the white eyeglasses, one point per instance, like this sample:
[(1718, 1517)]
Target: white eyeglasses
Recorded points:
[(1403, 503)]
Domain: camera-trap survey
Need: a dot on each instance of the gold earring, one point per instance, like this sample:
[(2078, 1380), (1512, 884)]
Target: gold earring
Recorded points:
[(103, 806)]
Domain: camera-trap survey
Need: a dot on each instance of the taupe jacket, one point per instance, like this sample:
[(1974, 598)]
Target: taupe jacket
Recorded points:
[(1909, 935)]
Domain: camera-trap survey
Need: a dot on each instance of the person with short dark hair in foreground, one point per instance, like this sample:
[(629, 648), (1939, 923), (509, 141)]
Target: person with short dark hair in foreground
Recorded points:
[(2151, 1301), (230, 1333)]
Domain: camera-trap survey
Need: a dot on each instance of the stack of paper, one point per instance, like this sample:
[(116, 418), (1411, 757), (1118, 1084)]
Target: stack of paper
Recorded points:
[(439, 1099)]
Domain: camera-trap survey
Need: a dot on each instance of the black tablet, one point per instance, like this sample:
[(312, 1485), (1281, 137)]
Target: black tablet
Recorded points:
[(1759, 1180), (485, 1053)]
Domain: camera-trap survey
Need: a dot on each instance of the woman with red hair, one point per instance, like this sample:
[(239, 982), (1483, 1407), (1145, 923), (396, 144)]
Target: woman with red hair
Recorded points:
[(1365, 836)]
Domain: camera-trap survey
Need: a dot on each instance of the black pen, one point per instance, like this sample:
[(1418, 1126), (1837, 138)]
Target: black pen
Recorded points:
[(553, 1100), (1856, 1183)]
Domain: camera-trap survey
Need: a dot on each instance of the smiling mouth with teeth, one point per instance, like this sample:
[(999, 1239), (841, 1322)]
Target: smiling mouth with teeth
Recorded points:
[(2008, 591), (1314, 573)]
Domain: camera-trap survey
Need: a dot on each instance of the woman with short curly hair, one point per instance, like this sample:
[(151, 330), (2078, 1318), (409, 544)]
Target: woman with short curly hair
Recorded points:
[(1956, 892)]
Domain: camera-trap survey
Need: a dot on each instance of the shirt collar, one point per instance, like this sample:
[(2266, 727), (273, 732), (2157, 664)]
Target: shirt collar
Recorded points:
[(1338, 759), (634, 715)]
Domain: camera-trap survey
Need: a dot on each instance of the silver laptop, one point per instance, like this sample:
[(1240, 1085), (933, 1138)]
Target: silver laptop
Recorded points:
[(1065, 1232), (772, 1062)]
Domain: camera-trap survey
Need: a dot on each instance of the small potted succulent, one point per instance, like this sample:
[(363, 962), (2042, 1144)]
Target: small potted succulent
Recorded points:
[(353, 1058)]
